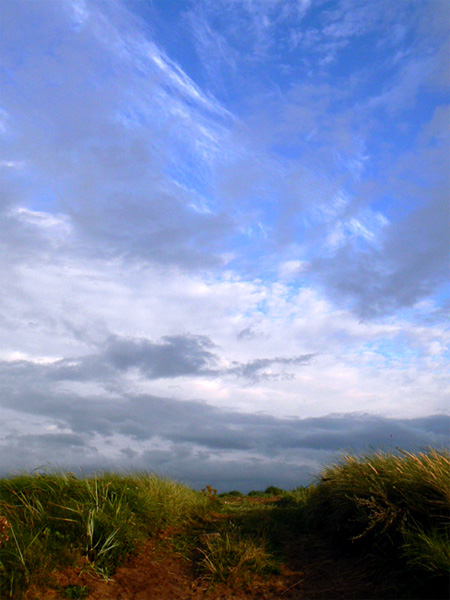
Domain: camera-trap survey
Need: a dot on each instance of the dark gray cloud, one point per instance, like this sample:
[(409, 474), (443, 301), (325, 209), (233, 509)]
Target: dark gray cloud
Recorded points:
[(197, 442), (410, 265), (55, 442), (172, 356), (253, 369)]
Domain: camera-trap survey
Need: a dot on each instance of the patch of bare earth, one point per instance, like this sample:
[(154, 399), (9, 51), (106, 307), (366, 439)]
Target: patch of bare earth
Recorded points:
[(157, 572)]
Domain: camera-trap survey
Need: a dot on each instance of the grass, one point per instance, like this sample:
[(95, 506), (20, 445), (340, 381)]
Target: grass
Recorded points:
[(242, 543), (75, 592), (231, 556), (392, 508), (391, 505), (55, 519)]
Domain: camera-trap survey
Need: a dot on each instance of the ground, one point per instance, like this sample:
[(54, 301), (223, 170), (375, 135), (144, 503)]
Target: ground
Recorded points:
[(310, 568)]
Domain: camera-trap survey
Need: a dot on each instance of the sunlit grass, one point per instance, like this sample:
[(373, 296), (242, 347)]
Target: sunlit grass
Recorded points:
[(231, 556), (55, 519)]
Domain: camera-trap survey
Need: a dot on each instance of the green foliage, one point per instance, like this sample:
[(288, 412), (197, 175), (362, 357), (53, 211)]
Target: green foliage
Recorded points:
[(56, 518), (296, 497), (267, 493), (274, 491), (75, 592), (232, 494), (398, 504), (427, 550), (231, 556)]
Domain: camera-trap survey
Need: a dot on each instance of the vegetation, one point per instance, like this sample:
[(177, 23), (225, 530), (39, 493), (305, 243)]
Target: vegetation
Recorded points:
[(230, 556), (396, 506), (55, 519), (393, 509)]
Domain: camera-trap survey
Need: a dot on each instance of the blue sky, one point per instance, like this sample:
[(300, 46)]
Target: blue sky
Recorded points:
[(225, 234)]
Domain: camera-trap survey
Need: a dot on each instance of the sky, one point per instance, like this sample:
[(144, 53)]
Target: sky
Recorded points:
[(225, 235)]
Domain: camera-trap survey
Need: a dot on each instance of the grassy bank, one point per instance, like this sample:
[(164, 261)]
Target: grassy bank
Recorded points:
[(391, 509), (56, 519), (395, 507)]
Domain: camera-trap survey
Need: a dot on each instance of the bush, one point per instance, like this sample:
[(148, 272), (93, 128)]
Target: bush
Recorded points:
[(231, 556), (232, 494), (255, 493), (274, 491)]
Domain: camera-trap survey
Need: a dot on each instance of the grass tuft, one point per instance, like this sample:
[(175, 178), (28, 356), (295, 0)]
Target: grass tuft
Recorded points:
[(231, 556)]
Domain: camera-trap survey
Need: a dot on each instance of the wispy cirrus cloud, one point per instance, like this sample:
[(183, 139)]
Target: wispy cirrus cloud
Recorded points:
[(112, 134)]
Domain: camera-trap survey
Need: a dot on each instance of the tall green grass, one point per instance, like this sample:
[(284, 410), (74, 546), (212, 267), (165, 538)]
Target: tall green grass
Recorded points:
[(397, 505), (56, 518)]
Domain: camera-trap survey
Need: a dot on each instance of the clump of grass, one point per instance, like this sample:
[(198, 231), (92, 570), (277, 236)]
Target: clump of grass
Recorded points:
[(427, 550), (230, 556), (56, 518), (75, 592), (396, 503)]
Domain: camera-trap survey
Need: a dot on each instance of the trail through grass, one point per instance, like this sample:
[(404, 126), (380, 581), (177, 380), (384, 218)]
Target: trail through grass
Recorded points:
[(390, 511)]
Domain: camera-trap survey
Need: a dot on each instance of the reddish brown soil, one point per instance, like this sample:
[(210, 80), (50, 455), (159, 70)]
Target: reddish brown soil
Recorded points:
[(157, 572)]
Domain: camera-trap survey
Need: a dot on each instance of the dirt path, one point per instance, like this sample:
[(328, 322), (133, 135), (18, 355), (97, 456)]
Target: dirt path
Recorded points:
[(312, 571)]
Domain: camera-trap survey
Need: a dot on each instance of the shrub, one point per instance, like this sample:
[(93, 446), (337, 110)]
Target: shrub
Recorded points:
[(274, 491), (255, 493), (235, 493)]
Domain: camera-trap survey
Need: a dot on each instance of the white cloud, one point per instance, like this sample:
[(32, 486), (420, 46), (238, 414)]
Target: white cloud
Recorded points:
[(12, 164), (69, 308)]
